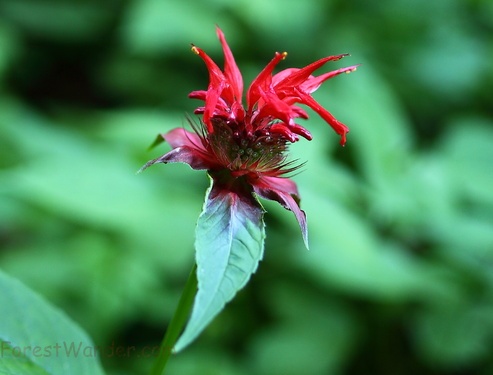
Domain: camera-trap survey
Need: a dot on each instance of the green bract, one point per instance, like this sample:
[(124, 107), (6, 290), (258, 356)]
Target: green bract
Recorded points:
[(229, 243)]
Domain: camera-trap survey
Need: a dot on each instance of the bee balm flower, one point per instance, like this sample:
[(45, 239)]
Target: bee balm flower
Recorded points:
[(243, 148)]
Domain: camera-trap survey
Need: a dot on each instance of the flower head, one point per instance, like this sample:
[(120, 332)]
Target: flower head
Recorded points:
[(244, 148)]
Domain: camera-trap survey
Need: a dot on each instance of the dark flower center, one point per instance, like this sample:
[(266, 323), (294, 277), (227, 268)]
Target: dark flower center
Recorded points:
[(239, 150)]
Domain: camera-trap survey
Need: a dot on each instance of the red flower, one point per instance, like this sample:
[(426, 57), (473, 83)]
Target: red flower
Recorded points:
[(243, 149)]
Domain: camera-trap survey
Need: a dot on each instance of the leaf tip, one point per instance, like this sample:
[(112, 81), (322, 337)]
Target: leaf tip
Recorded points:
[(159, 139)]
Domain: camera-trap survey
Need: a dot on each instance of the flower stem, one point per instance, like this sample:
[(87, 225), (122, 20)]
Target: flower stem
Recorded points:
[(177, 322)]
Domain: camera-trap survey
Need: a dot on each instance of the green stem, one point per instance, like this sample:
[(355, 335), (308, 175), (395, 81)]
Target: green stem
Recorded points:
[(177, 323)]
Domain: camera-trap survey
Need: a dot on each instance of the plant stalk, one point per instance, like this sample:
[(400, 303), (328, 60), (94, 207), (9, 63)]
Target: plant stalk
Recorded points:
[(177, 323)]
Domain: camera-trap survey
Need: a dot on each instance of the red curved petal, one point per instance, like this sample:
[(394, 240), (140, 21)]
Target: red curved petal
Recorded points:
[(279, 183), (263, 80), (338, 126), (285, 192), (212, 98), (276, 108), (313, 83), (231, 70), (215, 74), (278, 77), (198, 94), (301, 75), (285, 131), (180, 137)]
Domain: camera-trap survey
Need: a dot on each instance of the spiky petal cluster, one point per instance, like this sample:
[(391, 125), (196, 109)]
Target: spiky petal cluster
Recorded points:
[(243, 149)]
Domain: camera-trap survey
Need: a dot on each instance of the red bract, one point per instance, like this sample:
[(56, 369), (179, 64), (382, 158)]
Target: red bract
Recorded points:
[(243, 149)]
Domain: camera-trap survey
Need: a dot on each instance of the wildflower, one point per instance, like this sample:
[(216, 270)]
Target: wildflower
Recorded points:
[(244, 148)]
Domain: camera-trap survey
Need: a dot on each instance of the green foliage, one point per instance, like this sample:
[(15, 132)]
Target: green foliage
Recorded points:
[(229, 241), (36, 338), (398, 278)]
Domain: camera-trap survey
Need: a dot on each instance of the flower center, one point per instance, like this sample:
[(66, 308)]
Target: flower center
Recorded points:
[(238, 150)]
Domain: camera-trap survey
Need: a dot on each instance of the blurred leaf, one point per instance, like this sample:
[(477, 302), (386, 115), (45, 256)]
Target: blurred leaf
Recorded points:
[(469, 155), (155, 27), (310, 334), (268, 20), (379, 132), (9, 47), (347, 253), (62, 20), (302, 347), (452, 336), (39, 339), (450, 48), (98, 185), (92, 219), (326, 176), (205, 361)]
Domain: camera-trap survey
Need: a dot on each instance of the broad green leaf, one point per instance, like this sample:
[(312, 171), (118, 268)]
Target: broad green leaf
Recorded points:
[(229, 244), (36, 338)]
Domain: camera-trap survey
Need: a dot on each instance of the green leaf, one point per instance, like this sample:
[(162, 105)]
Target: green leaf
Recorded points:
[(36, 338), (229, 244)]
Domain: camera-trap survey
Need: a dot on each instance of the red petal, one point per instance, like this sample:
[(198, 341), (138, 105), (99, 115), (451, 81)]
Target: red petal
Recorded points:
[(338, 126), (263, 80), (285, 192), (280, 183), (275, 107), (298, 129), (180, 137), (217, 83), (231, 70), (215, 74), (211, 100), (300, 112), (301, 75), (278, 77), (285, 131), (314, 83), (198, 94)]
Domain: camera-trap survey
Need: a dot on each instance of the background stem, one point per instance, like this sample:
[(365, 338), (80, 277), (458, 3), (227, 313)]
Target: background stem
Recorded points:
[(177, 322)]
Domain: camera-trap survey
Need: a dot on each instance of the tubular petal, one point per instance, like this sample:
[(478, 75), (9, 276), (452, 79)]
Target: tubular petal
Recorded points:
[(231, 70), (338, 126), (263, 80), (215, 74), (213, 96), (300, 76), (180, 137), (284, 131), (312, 84)]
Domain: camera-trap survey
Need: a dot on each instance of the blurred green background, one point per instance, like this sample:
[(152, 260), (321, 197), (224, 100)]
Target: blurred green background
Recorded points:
[(399, 278)]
